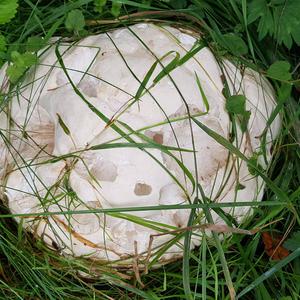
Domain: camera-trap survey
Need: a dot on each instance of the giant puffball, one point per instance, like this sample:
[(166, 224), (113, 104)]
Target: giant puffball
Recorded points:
[(112, 121)]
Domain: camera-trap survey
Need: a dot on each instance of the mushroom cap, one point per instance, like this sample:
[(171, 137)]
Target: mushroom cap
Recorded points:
[(110, 135)]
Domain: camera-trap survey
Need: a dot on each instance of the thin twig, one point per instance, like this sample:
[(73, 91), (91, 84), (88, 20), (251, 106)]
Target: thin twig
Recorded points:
[(135, 265), (140, 16)]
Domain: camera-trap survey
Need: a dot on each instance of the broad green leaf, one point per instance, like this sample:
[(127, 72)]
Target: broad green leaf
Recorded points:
[(280, 70), (27, 59), (35, 43), (284, 92), (20, 62), (14, 73), (8, 9), (99, 5), (236, 104), (244, 120), (75, 21), (235, 44), (16, 57)]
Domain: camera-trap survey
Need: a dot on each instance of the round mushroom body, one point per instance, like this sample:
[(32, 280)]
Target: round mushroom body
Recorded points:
[(117, 126)]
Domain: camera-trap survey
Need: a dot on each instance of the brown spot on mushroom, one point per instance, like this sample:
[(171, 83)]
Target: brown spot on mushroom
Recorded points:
[(142, 189), (158, 138)]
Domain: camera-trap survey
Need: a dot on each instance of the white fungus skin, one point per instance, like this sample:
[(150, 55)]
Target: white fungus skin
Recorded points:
[(58, 121)]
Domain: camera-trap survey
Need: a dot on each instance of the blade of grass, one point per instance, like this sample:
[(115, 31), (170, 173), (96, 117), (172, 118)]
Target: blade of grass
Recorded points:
[(270, 272)]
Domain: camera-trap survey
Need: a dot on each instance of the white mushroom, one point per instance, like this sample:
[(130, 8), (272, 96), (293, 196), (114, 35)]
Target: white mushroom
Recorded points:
[(80, 150)]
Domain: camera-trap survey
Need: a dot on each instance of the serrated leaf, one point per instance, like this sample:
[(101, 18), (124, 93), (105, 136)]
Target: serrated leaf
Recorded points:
[(280, 19), (236, 104), (235, 44), (20, 63), (8, 9), (280, 70), (293, 243), (75, 21), (15, 56), (35, 43), (261, 10), (28, 59), (14, 73), (286, 17), (256, 9)]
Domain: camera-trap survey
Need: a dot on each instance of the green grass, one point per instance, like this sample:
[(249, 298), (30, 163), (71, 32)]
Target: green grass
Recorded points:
[(237, 263)]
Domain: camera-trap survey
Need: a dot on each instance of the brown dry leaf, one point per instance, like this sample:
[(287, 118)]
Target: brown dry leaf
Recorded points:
[(273, 248), (3, 274)]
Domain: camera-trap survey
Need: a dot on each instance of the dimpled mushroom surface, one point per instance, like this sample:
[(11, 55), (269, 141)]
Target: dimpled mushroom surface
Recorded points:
[(112, 122)]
